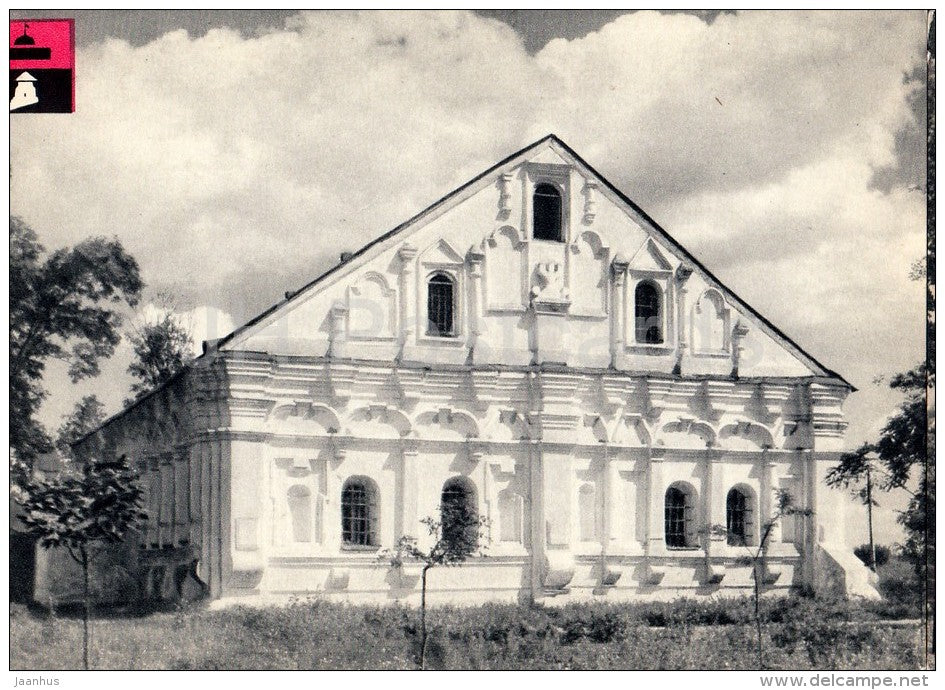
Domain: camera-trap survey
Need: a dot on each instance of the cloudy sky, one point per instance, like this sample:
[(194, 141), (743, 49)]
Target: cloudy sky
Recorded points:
[(236, 154)]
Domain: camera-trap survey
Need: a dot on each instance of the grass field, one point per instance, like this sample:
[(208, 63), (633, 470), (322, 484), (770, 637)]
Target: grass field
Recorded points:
[(800, 633)]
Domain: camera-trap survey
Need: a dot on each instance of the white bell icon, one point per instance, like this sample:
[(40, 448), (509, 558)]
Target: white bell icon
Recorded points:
[(25, 93)]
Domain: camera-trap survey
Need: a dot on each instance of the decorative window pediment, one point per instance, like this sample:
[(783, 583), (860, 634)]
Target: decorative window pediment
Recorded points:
[(441, 291), (650, 300), (649, 259), (441, 253)]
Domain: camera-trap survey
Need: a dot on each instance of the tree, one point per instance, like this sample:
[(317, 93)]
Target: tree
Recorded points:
[(161, 350), (87, 416), (83, 511), (62, 306), (902, 454), (784, 506), (456, 535)]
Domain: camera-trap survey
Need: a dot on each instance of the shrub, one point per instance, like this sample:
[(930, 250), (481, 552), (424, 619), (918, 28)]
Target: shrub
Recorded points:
[(865, 554)]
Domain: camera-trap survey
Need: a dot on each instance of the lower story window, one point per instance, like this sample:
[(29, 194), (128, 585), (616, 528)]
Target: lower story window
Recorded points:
[(678, 517), (359, 513)]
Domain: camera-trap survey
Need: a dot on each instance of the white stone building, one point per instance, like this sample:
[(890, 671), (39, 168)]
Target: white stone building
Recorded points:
[(534, 343)]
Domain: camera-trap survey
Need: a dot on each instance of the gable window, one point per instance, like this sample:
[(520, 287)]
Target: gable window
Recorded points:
[(441, 302), (459, 515), (546, 213), (738, 517), (359, 512), (678, 516), (649, 313)]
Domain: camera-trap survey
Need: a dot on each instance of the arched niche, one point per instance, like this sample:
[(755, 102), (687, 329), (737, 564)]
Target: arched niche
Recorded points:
[(589, 514), (511, 516), (710, 323), (301, 516), (372, 308), (745, 435), (378, 422), (447, 424), (309, 417), (505, 269), (589, 274), (686, 434)]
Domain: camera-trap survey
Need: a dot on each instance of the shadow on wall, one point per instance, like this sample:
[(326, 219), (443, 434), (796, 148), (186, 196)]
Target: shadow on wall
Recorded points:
[(122, 575)]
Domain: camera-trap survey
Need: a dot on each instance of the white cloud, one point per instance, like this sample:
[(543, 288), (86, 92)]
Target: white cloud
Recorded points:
[(235, 168)]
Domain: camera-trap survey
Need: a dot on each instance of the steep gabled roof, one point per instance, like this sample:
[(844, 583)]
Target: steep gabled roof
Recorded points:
[(455, 196)]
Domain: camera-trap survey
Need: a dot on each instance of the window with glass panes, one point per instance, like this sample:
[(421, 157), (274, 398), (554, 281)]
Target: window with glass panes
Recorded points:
[(359, 513), (738, 517), (678, 515), (440, 305)]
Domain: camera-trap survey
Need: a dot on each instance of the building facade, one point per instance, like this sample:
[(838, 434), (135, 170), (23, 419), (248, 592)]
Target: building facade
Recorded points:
[(532, 344)]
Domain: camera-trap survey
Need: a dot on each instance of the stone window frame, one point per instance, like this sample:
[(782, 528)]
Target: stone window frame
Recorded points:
[(748, 517), (371, 519), (688, 520)]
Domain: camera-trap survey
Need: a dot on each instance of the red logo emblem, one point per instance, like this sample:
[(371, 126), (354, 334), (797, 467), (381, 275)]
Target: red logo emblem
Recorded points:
[(42, 66)]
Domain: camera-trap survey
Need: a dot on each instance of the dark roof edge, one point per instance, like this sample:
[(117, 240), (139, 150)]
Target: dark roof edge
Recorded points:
[(124, 411)]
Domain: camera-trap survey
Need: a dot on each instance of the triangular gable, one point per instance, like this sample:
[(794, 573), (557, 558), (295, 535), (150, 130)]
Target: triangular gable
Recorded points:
[(650, 258), (549, 149), (442, 253)]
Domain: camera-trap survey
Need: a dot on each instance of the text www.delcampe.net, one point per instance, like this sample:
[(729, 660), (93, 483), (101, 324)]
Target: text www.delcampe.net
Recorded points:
[(838, 680)]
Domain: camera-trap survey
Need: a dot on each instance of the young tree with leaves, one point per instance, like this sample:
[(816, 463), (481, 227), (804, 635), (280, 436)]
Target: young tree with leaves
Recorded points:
[(62, 306), (784, 506), (83, 512), (457, 534)]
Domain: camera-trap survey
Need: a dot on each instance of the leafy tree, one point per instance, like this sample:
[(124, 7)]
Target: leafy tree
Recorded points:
[(865, 554), (83, 512), (62, 306), (755, 557), (456, 535), (902, 453), (161, 350), (88, 414)]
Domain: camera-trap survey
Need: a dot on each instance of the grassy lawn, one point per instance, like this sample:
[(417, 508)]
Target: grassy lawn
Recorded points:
[(800, 633)]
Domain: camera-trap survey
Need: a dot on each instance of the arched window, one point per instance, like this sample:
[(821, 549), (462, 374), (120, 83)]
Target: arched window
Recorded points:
[(738, 517), (441, 302), (679, 526), (300, 512), (546, 213), (649, 313), (359, 512), (460, 516)]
